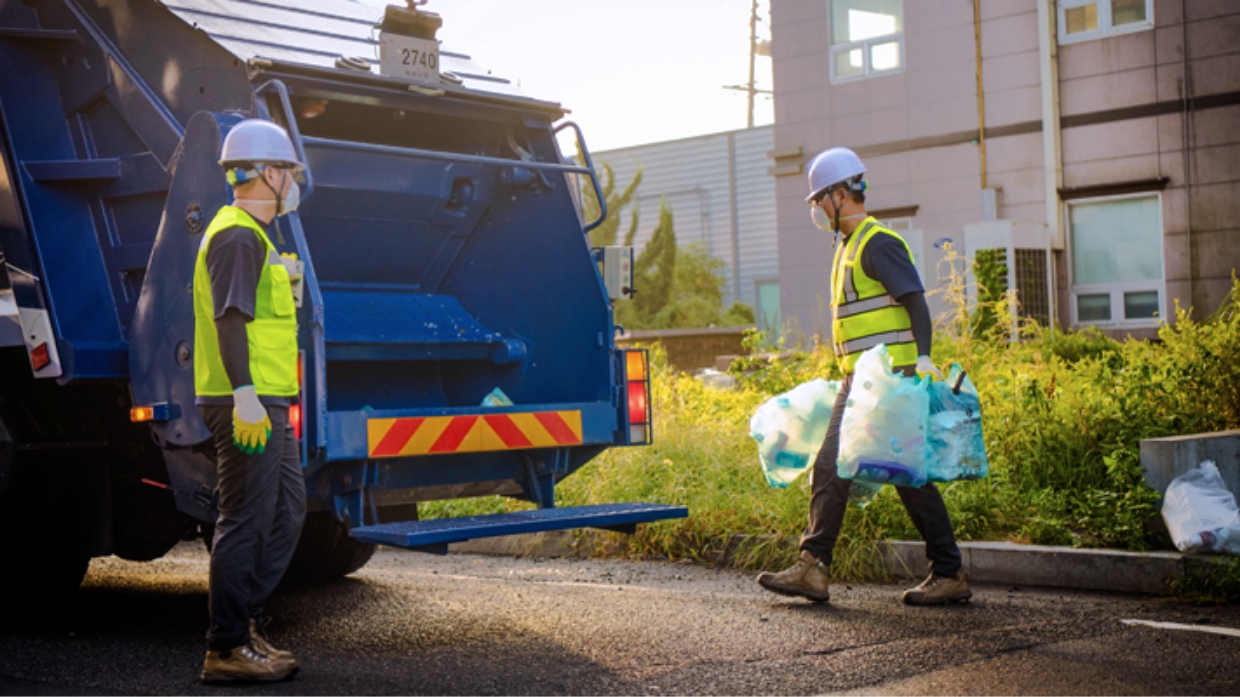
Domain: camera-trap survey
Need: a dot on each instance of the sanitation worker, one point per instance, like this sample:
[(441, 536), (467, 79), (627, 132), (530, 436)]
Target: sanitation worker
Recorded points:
[(876, 298), (245, 379)]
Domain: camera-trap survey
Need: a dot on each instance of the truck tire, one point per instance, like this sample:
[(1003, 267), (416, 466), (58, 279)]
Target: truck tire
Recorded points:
[(325, 551)]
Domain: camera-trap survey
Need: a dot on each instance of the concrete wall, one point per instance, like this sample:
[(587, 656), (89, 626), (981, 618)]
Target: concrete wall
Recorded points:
[(710, 206), (690, 350), (1121, 104)]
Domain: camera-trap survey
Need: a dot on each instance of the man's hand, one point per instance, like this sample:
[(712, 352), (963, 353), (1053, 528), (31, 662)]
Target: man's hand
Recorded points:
[(251, 425), (926, 367)]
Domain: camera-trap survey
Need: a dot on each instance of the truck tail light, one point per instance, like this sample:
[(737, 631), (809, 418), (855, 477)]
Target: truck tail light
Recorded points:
[(294, 419), (637, 396)]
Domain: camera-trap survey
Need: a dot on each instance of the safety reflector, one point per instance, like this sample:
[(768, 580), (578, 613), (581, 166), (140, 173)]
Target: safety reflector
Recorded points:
[(472, 433), (40, 357)]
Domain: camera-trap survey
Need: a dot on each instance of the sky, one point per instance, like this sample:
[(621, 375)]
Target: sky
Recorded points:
[(633, 72)]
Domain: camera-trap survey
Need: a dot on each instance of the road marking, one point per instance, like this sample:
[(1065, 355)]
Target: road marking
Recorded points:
[(1225, 631)]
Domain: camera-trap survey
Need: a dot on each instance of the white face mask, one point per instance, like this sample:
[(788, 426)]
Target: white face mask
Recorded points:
[(823, 221), (293, 199)]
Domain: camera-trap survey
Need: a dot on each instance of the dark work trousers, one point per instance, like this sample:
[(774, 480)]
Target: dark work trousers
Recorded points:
[(829, 498), (262, 507)]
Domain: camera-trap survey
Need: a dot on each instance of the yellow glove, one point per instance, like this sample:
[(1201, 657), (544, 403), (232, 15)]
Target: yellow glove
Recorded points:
[(251, 425), (289, 260), (926, 369)]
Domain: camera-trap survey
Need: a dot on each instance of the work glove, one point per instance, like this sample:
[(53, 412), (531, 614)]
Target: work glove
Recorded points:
[(251, 425), (926, 369)]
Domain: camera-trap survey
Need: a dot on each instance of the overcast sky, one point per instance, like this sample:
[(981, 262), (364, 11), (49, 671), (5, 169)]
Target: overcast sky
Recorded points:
[(632, 72)]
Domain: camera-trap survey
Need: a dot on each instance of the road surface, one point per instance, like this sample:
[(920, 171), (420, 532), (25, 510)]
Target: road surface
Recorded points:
[(411, 623)]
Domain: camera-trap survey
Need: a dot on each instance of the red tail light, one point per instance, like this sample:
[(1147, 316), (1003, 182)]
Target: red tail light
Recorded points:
[(294, 411), (637, 396)]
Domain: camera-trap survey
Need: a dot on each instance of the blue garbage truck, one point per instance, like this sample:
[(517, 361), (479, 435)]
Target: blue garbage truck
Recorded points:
[(456, 333)]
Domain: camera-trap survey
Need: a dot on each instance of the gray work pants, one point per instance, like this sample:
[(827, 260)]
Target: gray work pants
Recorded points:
[(262, 507), (829, 498)]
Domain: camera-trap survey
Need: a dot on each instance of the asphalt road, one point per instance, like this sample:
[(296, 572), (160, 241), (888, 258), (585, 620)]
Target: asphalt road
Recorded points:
[(416, 624)]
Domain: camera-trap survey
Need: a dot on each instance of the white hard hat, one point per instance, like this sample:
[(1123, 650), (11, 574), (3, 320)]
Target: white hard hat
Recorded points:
[(260, 142), (831, 167)]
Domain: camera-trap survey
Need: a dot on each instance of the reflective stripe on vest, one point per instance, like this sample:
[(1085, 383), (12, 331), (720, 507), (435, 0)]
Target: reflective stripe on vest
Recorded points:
[(864, 314), (272, 334)]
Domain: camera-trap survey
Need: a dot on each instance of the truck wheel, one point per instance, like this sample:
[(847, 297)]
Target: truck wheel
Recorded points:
[(325, 551)]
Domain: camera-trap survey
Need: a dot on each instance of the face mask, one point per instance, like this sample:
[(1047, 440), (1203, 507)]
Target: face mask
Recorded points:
[(821, 220), (290, 202)]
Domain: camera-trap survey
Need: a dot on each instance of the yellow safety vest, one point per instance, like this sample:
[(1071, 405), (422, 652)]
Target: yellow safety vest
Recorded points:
[(863, 314), (272, 334)]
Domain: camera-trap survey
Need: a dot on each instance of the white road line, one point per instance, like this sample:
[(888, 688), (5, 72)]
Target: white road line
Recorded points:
[(1225, 631)]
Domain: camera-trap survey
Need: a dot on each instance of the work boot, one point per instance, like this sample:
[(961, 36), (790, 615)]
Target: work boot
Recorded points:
[(807, 578), (939, 590), (258, 639), (245, 664)]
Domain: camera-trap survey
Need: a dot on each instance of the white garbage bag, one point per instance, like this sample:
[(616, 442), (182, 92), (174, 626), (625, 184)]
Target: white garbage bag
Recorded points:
[(1201, 513), (790, 429), (883, 435)]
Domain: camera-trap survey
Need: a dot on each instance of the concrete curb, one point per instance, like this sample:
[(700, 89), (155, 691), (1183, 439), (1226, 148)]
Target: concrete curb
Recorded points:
[(985, 562)]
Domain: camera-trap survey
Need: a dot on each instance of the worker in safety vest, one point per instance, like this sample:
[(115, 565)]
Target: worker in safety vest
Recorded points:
[(245, 379), (876, 298)]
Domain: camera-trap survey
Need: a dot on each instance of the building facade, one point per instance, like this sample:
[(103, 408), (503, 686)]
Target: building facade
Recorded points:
[(722, 196), (1101, 135)]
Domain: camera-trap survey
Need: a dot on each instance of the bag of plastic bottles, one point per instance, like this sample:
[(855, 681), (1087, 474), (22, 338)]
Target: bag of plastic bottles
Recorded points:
[(1200, 512), (790, 429), (883, 435), (954, 430)]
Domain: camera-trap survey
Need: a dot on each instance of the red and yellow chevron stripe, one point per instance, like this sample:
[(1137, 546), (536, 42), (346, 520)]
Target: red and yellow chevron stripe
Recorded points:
[(472, 434)]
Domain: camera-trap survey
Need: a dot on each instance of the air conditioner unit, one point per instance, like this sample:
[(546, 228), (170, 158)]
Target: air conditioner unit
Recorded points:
[(1023, 250)]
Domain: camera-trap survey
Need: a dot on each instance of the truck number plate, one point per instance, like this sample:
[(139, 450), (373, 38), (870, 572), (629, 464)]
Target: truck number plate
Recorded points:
[(409, 57)]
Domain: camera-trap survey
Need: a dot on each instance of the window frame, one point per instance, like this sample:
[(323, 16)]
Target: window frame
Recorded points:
[(1116, 291), (866, 46), (1105, 28)]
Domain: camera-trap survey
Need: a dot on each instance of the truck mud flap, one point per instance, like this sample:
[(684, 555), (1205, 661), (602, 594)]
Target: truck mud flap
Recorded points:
[(434, 536)]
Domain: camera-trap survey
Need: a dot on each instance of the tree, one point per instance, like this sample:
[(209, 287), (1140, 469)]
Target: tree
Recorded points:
[(605, 234)]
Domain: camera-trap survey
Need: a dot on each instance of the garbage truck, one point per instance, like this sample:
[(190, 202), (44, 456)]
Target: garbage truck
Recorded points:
[(445, 257)]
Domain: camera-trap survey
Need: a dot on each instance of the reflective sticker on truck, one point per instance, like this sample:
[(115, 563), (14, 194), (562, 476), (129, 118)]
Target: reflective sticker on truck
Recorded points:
[(473, 433)]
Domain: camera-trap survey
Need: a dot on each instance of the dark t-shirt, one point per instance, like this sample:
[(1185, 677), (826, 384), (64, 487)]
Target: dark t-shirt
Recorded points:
[(886, 260), (235, 262)]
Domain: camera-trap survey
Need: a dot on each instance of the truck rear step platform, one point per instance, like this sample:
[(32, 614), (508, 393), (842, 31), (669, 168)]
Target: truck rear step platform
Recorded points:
[(435, 535)]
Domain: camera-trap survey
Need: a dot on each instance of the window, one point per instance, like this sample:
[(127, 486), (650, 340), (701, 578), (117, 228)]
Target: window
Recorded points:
[(768, 310), (866, 38), (1117, 261), (1083, 20)]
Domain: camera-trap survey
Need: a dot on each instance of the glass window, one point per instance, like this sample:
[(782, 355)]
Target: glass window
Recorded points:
[(866, 37), (1128, 12), (1095, 307), (1079, 19), (1083, 20), (1116, 260), (1142, 305)]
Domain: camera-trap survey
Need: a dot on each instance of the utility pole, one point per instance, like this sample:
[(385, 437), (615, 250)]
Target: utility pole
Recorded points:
[(751, 87)]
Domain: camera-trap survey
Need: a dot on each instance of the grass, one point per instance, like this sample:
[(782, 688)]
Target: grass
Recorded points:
[(1063, 416)]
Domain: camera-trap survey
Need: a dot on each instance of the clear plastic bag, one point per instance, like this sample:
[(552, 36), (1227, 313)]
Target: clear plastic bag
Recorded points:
[(1200, 512), (883, 436), (790, 429), (954, 430)]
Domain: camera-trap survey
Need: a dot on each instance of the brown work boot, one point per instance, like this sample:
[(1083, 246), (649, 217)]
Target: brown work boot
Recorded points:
[(939, 590), (807, 578), (259, 641), (244, 664)]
